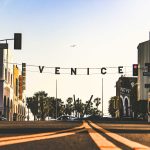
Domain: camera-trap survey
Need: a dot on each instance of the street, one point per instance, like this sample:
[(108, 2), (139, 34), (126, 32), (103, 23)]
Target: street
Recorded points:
[(75, 135)]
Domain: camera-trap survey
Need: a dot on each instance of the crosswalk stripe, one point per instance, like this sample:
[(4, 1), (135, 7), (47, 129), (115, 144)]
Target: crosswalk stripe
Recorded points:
[(125, 141)]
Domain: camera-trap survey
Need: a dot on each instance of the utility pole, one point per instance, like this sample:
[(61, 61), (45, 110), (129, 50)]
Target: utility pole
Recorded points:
[(56, 98), (102, 97), (148, 99)]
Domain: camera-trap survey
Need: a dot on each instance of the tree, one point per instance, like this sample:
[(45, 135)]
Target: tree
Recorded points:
[(51, 107), (88, 108), (69, 106), (60, 107), (41, 97), (51, 102), (111, 107), (32, 104), (38, 105), (79, 107), (97, 102)]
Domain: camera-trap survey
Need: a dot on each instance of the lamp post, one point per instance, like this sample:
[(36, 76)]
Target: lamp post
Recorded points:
[(56, 99), (148, 111), (102, 97)]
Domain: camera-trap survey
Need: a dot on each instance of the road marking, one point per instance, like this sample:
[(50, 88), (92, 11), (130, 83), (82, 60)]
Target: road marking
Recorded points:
[(125, 141), (38, 135), (23, 140), (100, 141), (41, 136)]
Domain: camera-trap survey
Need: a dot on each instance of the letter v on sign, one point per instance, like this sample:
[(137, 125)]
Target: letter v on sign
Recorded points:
[(41, 68)]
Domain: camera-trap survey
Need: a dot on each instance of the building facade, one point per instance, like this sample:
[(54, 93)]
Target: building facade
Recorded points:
[(12, 88), (143, 57), (6, 84), (126, 92), (19, 95)]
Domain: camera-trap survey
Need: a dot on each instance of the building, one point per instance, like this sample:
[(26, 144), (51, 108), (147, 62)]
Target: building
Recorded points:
[(18, 95), (6, 84), (126, 92), (12, 88), (143, 57)]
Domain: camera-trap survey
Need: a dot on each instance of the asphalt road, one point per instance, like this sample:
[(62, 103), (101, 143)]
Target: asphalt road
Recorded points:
[(74, 135)]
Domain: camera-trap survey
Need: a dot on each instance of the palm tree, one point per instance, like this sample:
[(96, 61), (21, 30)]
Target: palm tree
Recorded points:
[(41, 96), (32, 104), (97, 102), (38, 104), (111, 107), (69, 106)]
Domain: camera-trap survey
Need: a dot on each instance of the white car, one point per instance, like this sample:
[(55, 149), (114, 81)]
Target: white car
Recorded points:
[(3, 119), (65, 117)]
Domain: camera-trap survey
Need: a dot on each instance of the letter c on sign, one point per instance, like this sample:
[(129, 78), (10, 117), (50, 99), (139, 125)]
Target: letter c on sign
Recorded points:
[(103, 70)]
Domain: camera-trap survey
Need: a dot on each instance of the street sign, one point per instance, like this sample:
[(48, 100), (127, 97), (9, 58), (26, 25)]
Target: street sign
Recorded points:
[(147, 85), (146, 73)]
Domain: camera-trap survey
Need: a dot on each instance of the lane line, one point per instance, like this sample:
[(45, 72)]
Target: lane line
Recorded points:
[(29, 139), (125, 141), (38, 135), (100, 141)]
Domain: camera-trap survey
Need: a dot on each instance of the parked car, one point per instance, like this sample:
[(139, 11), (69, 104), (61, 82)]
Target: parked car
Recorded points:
[(3, 119), (66, 118)]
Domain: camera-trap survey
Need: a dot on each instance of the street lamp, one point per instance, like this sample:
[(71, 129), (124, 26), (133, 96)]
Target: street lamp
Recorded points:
[(56, 99)]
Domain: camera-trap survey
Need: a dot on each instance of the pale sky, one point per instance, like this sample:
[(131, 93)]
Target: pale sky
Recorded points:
[(106, 34)]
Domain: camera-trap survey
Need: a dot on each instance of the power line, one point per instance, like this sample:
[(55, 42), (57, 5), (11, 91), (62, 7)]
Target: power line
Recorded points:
[(67, 68), (61, 67)]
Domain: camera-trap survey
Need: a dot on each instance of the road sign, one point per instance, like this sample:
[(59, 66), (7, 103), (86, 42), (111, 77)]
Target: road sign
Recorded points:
[(146, 73), (147, 85)]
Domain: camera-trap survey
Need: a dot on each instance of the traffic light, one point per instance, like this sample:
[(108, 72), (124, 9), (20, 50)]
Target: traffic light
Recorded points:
[(17, 40), (135, 69)]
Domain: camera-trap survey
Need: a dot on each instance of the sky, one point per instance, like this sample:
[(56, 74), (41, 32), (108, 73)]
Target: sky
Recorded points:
[(105, 33)]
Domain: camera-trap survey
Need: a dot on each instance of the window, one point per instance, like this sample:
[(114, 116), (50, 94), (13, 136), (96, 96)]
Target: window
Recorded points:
[(11, 79), (5, 74), (8, 77), (16, 87)]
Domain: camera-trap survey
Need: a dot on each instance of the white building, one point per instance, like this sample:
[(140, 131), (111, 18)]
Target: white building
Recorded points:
[(143, 57)]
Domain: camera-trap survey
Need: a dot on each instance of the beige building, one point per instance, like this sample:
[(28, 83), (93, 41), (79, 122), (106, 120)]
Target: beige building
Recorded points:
[(6, 84), (12, 88), (143, 57)]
